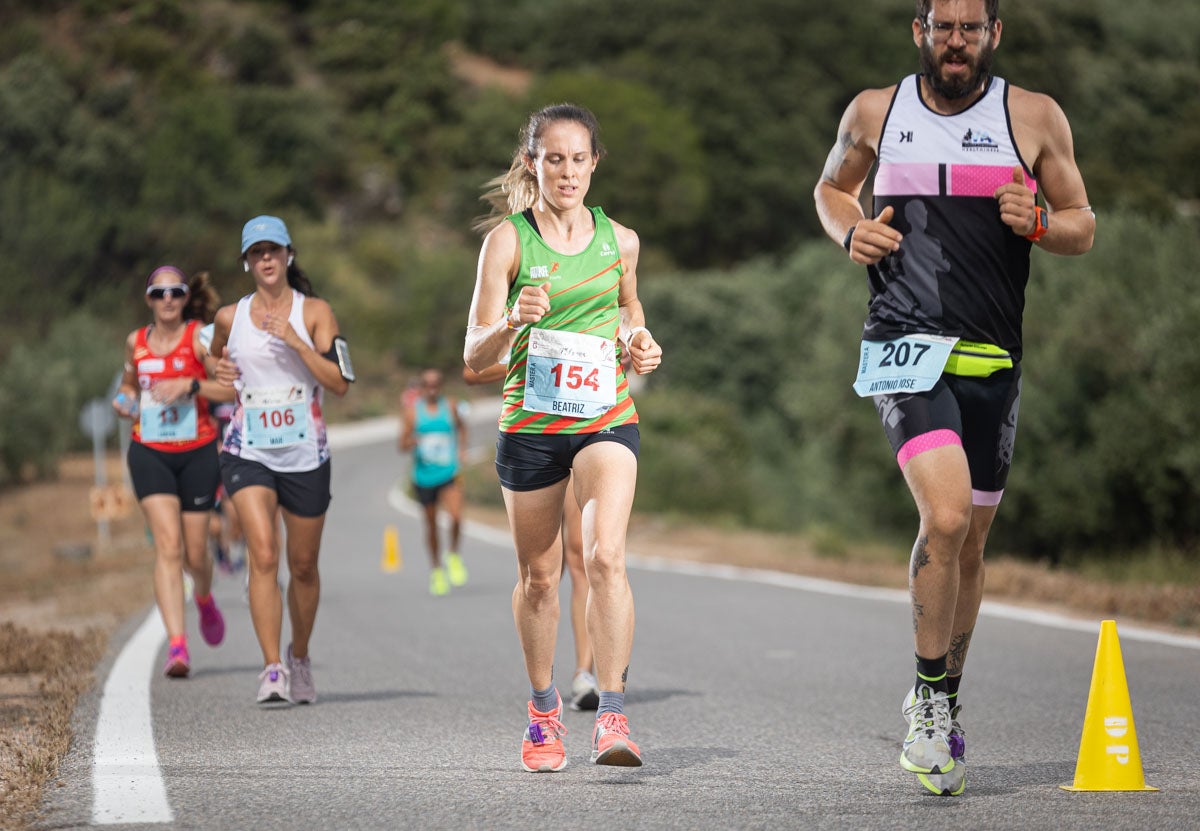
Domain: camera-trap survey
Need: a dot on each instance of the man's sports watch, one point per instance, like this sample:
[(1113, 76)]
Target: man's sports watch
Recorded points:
[(1041, 223)]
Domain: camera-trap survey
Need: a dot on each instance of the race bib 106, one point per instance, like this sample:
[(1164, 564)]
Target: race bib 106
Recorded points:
[(275, 416), (570, 374)]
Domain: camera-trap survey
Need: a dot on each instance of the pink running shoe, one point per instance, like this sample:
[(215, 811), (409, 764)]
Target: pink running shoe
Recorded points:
[(542, 749), (178, 663), (212, 623), (611, 744)]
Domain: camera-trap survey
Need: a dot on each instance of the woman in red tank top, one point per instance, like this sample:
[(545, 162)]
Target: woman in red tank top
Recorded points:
[(173, 456)]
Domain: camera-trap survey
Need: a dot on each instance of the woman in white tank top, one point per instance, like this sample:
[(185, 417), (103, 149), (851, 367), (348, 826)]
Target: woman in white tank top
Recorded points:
[(279, 348)]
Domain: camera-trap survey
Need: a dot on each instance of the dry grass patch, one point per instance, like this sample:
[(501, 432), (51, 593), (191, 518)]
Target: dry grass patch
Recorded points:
[(41, 677)]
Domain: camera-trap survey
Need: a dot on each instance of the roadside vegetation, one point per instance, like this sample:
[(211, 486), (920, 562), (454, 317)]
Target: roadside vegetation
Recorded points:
[(138, 132)]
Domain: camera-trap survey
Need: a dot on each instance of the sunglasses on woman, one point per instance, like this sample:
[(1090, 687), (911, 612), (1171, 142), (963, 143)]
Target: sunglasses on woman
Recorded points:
[(175, 292)]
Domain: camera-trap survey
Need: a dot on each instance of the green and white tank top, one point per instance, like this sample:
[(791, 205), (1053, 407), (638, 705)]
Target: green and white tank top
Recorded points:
[(563, 375)]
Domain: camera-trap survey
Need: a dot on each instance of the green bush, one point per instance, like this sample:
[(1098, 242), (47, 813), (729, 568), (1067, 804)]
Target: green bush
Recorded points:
[(43, 387), (778, 342), (1106, 454), (692, 458)]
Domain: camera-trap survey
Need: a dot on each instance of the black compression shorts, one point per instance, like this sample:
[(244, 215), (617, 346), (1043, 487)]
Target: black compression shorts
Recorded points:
[(531, 461), (305, 493), (191, 475), (978, 413)]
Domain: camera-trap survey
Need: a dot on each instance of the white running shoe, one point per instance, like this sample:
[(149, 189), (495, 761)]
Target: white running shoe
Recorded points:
[(273, 685), (927, 746), (954, 782), (301, 689), (585, 695), (946, 784)]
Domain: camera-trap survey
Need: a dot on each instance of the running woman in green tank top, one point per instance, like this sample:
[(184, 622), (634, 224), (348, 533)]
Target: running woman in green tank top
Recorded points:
[(556, 291), (541, 393)]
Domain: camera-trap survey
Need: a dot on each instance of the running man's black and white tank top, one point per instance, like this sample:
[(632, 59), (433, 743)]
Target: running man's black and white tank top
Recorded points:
[(959, 271)]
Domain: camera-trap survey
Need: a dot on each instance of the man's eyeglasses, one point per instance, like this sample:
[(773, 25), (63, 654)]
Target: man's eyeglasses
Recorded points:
[(971, 32), (175, 292)]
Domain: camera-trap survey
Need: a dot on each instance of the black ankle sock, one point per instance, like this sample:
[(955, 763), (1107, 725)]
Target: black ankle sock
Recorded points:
[(952, 682), (932, 672)]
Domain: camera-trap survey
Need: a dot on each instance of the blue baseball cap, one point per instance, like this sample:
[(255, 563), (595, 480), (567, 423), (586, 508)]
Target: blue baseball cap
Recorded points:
[(265, 229)]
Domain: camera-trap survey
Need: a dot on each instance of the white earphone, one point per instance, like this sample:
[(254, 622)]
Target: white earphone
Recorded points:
[(290, 258), (245, 266)]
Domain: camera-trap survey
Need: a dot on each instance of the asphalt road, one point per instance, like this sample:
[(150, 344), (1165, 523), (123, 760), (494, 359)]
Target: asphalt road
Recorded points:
[(758, 704)]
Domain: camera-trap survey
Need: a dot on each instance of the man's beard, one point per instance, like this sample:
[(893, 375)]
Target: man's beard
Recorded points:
[(952, 89)]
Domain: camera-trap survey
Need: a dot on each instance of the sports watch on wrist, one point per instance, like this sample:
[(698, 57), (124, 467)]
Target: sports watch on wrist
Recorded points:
[(1041, 223)]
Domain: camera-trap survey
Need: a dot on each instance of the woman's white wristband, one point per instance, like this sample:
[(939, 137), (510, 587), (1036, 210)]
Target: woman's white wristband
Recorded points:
[(629, 336)]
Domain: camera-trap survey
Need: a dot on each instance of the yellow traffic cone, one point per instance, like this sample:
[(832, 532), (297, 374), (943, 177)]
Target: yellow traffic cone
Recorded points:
[(392, 561), (1108, 750)]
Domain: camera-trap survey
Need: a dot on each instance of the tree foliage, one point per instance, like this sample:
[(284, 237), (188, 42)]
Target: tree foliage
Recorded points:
[(1106, 453), (138, 132)]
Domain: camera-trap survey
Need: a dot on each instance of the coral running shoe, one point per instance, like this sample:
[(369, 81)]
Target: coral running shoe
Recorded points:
[(455, 570), (212, 623), (611, 744), (178, 662), (542, 748), (300, 687), (273, 685)]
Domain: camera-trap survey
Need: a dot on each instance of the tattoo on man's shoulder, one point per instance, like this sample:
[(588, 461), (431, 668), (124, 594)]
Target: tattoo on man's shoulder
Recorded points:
[(837, 155)]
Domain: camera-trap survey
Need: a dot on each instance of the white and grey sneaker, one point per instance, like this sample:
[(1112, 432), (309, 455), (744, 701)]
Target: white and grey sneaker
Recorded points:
[(946, 784), (954, 782), (273, 685), (927, 746), (301, 690), (957, 736), (585, 694)]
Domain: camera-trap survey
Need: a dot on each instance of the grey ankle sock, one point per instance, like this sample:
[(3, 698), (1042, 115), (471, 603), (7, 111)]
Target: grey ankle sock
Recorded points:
[(610, 702), (544, 700)]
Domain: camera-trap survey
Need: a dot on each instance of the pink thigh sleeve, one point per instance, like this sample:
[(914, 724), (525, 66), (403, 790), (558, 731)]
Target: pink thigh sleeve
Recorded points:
[(926, 441)]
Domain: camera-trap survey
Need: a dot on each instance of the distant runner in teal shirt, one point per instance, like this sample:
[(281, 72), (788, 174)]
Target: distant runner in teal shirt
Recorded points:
[(433, 430)]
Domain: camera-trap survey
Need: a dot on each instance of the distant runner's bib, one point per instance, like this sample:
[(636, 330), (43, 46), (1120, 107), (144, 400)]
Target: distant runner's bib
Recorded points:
[(275, 416), (166, 422), (912, 363), (570, 374), (436, 449)]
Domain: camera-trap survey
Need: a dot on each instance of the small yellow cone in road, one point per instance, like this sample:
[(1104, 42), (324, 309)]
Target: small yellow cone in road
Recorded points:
[(1109, 759), (392, 561)]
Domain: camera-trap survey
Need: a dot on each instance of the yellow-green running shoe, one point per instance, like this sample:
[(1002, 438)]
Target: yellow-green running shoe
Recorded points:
[(438, 584), (456, 570)]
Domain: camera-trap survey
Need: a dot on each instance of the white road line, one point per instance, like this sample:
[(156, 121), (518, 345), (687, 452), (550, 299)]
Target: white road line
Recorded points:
[(399, 500), (127, 784), (990, 608)]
